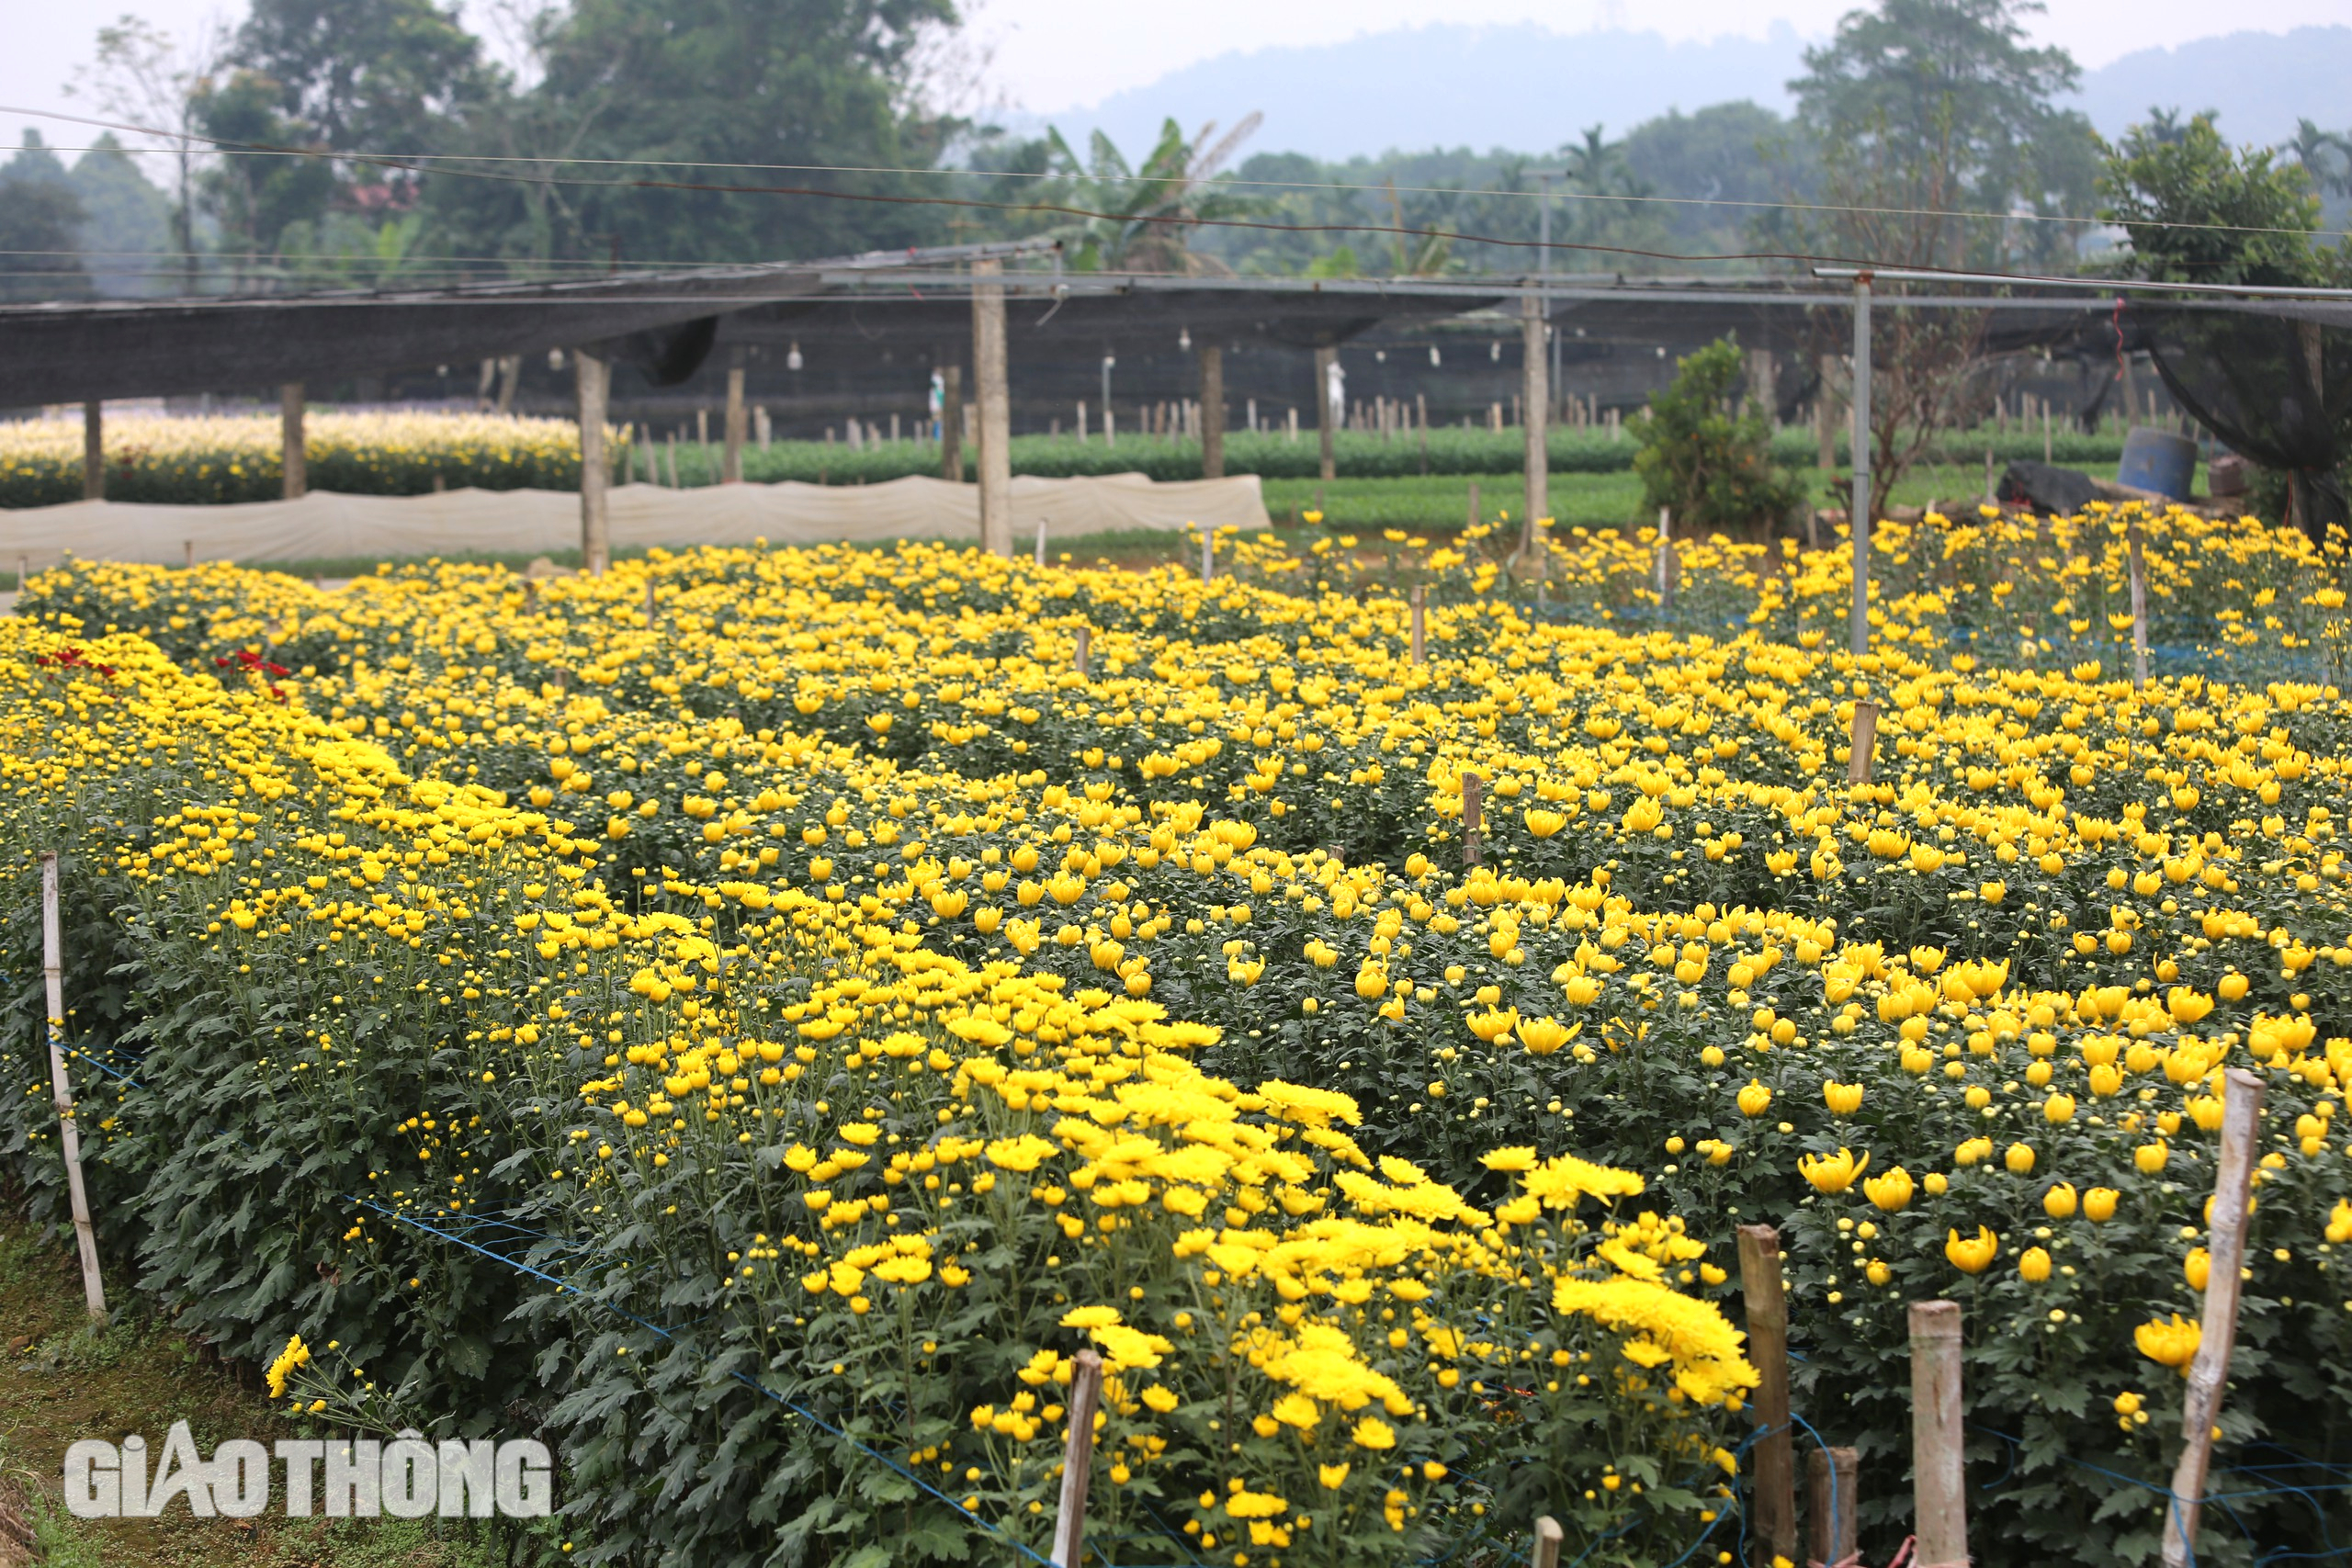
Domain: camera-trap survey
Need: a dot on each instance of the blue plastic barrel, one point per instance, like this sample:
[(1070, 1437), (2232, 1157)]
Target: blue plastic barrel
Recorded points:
[(2160, 461)]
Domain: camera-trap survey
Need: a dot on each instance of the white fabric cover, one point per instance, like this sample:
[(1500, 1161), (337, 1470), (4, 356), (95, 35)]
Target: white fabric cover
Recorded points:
[(326, 527)]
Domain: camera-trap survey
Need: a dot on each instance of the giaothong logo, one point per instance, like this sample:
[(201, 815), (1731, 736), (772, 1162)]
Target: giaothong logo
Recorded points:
[(407, 1478)]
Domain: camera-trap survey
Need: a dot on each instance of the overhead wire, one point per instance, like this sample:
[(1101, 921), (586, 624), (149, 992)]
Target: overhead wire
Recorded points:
[(431, 162)]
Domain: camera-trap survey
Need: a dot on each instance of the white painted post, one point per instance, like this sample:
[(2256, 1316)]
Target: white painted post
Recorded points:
[(1078, 1458), (52, 969), (2209, 1372), (1041, 541), (2139, 602), (1669, 570), (1209, 557), (1859, 523)]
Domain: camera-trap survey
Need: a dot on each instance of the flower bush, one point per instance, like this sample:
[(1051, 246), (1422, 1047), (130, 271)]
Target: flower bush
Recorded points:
[(830, 988), (187, 460)]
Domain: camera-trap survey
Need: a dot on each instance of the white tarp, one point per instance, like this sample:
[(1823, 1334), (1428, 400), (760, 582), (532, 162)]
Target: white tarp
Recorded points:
[(327, 526)]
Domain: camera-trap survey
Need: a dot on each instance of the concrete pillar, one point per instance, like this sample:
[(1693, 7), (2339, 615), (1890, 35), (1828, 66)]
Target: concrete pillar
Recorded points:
[(294, 453), (94, 451), (731, 463), (1325, 418), (996, 407), (1212, 411), (594, 379), (1535, 402)]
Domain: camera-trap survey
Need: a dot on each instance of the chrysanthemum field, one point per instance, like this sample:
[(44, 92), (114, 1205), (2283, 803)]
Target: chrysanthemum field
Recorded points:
[(760, 1039)]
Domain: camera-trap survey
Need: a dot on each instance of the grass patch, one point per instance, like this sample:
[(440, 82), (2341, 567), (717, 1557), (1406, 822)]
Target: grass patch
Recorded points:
[(62, 1379)]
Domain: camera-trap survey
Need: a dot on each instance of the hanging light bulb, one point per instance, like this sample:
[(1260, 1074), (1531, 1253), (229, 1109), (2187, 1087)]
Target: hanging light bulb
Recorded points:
[(1434, 356), (1185, 339), (1495, 351), (792, 360), (1380, 356), (555, 359)]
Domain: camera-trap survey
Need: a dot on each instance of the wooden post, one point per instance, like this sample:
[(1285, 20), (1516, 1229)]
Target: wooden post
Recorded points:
[(1864, 739), (1420, 630), (1938, 1482), (1325, 360), (93, 450), (1078, 1458), (1085, 647), (187, 551), (1835, 1475), (996, 407), (593, 378), (951, 422), (294, 453), (1548, 1535), (1535, 401), (1041, 541), (651, 614), (2046, 432), (1473, 785), (1212, 411), (2209, 1372), (52, 969), (2139, 602), (1768, 1350), (730, 462), (1990, 497)]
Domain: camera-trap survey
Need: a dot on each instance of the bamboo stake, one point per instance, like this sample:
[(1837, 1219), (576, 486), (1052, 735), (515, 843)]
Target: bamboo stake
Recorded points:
[(1834, 1475), (52, 969), (1085, 640), (2138, 604), (1938, 1482), (1209, 557), (1474, 504), (1548, 1543), (1420, 630), (1669, 572), (1865, 743), (2209, 1372), (1472, 784), (649, 603), (1768, 1349), (1078, 1460)]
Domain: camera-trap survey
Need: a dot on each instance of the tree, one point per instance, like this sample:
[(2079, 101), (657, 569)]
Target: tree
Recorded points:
[(126, 234), (1946, 97), (2196, 210), (1736, 154), (1146, 224), (1711, 468), (254, 196), (1940, 148), (144, 75), (668, 84), (41, 220)]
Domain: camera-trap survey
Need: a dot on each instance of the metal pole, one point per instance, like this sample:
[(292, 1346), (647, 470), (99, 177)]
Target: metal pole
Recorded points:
[(1860, 522), (53, 968)]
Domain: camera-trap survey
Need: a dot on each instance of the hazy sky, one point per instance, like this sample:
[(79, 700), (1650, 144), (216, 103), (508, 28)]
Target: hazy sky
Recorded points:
[(1055, 54)]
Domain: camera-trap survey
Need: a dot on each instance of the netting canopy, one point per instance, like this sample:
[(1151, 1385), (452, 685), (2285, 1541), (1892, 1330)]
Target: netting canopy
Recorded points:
[(2272, 380)]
